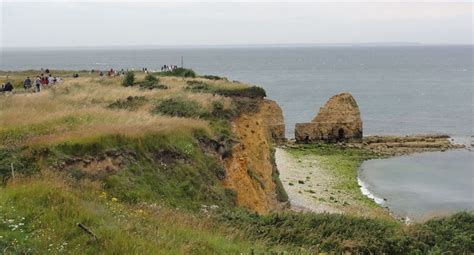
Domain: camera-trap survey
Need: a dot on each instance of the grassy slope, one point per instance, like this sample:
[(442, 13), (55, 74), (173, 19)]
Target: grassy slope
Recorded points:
[(88, 117), (41, 215), (156, 206)]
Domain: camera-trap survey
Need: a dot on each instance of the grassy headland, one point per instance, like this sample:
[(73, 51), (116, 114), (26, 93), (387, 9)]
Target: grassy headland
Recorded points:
[(138, 166)]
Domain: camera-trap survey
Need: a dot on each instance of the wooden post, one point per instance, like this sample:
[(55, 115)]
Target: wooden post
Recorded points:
[(13, 170), (88, 231)]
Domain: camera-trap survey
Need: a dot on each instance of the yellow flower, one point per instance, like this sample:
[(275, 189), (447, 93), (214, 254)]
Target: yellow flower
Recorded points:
[(103, 195), (114, 199)]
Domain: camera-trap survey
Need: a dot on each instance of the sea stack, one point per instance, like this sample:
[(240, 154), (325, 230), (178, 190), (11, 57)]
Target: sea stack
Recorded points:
[(337, 121)]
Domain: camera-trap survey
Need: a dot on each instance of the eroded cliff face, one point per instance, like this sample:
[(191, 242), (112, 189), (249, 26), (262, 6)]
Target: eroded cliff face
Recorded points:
[(250, 171)]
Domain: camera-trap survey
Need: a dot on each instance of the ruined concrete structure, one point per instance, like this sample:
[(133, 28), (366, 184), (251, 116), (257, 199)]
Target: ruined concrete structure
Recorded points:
[(337, 121)]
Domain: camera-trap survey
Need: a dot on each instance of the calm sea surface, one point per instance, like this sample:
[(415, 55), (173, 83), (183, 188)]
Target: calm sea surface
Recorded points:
[(400, 91)]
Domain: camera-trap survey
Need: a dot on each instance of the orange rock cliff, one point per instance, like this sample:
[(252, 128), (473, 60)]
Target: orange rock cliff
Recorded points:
[(251, 170)]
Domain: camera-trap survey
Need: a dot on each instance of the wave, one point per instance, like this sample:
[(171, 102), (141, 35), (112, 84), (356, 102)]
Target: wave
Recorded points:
[(364, 188)]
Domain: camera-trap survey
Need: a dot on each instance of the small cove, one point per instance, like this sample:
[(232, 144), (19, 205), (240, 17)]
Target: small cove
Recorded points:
[(423, 185)]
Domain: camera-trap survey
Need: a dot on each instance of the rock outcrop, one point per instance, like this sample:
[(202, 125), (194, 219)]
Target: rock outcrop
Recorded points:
[(249, 169), (273, 120), (337, 121)]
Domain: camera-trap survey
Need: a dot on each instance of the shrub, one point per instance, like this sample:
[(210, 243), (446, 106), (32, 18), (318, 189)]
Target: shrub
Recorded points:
[(130, 103), (219, 112), (152, 85), (213, 77), (151, 78), (151, 82), (129, 79), (251, 92), (180, 107), (180, 72), (337, 233), (198, 86)]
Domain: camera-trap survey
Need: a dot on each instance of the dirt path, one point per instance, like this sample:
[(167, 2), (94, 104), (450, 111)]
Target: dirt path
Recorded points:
[(305, 182)]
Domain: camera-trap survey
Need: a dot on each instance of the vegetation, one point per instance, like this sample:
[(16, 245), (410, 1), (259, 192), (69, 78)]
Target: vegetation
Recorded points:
[(129, 79), (180, 107), (251, 92), (213, 77), (40, 215), (131, 103), (179, 72), (151, 82), (342, 233), (248, 92)]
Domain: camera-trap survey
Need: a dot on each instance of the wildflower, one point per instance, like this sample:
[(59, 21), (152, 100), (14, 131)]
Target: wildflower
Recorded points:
[(114, 199), (103, 195)]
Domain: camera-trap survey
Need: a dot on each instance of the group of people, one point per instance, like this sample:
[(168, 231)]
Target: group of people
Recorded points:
[(109, 73), (41, 81), (169, 68), (45, 80)]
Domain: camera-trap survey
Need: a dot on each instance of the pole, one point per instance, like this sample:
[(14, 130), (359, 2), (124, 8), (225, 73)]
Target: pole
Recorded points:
[(182, 63), (13, 170)]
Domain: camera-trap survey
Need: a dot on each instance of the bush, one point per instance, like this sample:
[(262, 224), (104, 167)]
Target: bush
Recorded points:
[(130, 103), (180, 107), (151, 82), (213, 77), (337, 233), (180, 72), (198, 86), (152, 85), (251, 92), (151, 78), (129, 79)]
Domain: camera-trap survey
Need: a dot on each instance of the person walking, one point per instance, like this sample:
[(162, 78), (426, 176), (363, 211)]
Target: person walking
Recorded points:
[(27, 83), (8, 87), (38, 84)]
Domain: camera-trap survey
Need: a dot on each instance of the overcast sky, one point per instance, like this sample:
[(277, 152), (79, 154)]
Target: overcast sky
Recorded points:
[(92, 24)]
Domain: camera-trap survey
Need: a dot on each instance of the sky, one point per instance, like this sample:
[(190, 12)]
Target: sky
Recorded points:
[(193, 23)]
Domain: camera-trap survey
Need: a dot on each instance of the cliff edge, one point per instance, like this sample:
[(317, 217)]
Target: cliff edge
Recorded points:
[(251, 171)]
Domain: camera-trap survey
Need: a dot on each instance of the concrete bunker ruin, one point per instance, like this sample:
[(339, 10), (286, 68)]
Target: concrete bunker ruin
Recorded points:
[(337, 121)]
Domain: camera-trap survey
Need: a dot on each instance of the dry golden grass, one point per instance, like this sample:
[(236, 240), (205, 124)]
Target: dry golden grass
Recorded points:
[(77, 108)]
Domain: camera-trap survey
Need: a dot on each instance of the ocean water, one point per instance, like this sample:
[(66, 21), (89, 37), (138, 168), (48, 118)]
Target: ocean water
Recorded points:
[(400, 91), (423, 185)]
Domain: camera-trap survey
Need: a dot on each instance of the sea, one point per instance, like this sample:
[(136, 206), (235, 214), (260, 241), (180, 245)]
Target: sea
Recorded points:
[(400, 90)]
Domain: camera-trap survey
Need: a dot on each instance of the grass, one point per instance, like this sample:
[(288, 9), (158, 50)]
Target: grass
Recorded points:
[(130, 103), (337, 233), (79, 108), (180, 107), (169, 167), (179, 72), (40, 215)]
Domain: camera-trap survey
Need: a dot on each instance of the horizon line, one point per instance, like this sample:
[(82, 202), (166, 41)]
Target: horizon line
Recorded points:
[(253, 45)]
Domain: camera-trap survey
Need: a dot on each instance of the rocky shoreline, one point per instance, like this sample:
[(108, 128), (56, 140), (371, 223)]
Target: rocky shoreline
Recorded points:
[(400, 145), (403, 145)]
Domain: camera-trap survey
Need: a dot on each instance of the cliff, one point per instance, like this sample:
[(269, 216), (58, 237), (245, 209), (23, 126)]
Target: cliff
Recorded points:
[(250, 170)]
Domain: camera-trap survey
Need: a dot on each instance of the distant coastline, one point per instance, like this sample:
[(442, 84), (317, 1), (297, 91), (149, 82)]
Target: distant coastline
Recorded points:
[(235, 46)]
